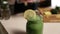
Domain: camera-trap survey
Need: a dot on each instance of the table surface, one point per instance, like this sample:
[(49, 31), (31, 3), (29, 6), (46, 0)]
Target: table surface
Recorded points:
[(18, 22)]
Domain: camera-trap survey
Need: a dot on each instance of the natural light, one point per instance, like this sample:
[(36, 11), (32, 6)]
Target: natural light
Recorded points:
[(55, 3)]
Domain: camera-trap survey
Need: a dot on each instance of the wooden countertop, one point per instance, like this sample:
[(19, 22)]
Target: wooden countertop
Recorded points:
[(50, 18)]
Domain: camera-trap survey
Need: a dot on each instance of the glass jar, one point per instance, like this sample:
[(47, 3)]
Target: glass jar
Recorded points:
[(5, 13)]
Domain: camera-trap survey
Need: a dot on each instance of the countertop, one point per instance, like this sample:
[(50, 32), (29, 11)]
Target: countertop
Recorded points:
[(17, 22)]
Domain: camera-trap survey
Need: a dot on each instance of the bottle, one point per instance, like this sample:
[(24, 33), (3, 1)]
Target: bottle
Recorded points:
[(2, 29), (6, 11)]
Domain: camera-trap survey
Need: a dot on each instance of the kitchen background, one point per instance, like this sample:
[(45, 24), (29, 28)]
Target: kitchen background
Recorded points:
[(17, 22)]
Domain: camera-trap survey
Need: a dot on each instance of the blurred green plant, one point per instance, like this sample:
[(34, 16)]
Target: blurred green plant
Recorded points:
[(56, 10)]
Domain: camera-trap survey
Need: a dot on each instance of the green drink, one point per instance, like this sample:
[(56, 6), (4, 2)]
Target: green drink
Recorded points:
[(34, 23)]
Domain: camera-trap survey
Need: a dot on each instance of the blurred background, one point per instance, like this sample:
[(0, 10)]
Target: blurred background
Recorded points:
[(50, 9)]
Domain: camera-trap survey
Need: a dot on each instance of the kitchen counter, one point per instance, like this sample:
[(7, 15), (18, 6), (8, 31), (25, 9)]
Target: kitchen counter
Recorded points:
[(18, 22), (48, 17)]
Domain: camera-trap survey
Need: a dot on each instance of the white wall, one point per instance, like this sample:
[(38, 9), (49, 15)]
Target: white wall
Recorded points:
[(55, 3)]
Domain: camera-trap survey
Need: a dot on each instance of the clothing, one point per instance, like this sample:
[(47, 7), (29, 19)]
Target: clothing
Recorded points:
[(20, 7), (45, 3)]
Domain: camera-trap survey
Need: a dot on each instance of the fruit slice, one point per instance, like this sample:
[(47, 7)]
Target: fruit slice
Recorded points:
[(30, 14)]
